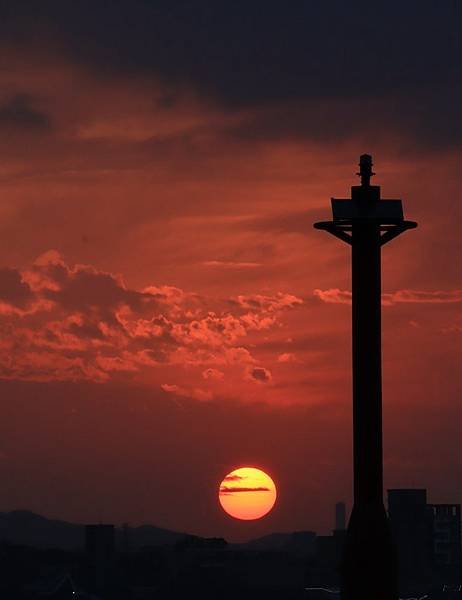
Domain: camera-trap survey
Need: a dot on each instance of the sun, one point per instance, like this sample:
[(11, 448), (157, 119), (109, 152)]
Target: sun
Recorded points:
[(247, 493)]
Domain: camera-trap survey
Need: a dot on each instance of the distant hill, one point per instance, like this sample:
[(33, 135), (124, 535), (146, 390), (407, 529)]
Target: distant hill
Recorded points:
[(26, 528), (29, 529), (148, 535)]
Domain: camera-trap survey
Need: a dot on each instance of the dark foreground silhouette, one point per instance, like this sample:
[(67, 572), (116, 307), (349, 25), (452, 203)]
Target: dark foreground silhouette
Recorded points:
[(366, 222), (101, 562)]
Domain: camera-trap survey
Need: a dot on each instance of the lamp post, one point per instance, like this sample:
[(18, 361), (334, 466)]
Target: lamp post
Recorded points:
[(366, 222)]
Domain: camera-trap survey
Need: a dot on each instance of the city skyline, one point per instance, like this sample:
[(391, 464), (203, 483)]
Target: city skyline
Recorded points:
[(168, 314)]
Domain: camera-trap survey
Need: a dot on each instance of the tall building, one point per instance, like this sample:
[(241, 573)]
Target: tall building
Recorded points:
[(340, 516), (446, 533), (411, 522)]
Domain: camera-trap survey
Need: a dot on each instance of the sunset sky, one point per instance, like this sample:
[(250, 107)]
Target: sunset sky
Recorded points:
[(168, 313)]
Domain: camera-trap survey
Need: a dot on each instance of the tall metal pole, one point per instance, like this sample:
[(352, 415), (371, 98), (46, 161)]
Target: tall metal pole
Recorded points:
[(367, 365), (366, 223)]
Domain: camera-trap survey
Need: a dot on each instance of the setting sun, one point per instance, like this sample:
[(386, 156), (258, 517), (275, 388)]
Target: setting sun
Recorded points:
[(247, 493)]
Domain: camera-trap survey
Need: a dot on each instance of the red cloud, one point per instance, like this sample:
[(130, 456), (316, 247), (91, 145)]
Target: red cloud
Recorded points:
[(269, 303), (71, 323), (233, 478), (212, 374), (333, 296)]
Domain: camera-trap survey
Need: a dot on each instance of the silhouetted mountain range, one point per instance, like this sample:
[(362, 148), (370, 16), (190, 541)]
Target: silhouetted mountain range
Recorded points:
[(27, 528)]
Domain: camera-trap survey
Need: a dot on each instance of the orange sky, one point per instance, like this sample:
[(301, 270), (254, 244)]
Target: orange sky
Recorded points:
[(168, 312)]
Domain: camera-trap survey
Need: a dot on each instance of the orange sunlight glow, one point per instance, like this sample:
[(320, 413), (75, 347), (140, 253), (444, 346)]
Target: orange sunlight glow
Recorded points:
[(247, 493)]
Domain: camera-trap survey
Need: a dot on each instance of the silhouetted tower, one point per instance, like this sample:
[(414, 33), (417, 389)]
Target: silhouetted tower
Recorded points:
[(366, 223), (340, 516)]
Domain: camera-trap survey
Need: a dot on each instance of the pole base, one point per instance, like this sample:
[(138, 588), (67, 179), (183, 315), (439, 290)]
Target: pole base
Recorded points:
[(369, 565)]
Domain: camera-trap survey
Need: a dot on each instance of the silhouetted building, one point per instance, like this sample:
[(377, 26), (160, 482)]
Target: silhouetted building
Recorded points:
[(329, 550), (340, 516), (446, 533), (100, 551), (328, 557), (411, 523), (125, 538), (301, 543)]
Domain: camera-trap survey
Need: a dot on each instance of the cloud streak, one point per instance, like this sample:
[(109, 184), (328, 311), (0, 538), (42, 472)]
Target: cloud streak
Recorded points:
[(228, 490), (336, 296), (231, 264), (233, 478)]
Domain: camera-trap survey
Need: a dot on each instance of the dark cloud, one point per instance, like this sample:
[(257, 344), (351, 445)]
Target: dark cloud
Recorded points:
[(224, 489), (426, 115), (342, 68), (86, 288), (86, 329), (13, 290), (19, 113), (258, 51), (260, 374)]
